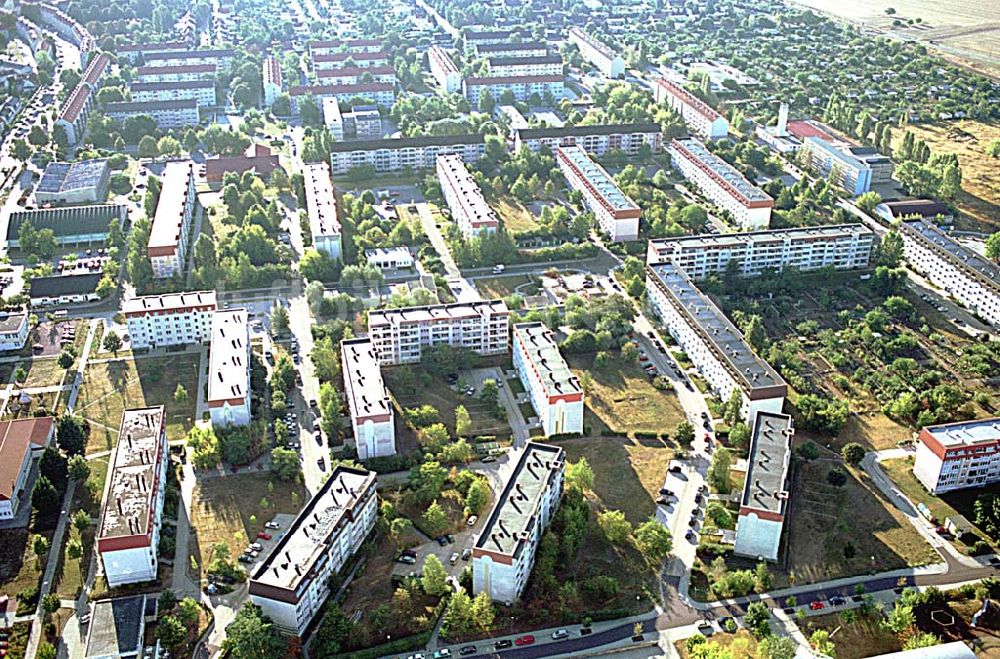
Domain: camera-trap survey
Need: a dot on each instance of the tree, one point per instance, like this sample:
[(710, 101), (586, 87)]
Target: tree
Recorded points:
[(853, 453), (758, 619), (739, 435), (900, 618), (205, 448), (434, 518), (684, 433), (921, 640), (580, 476), (147, 147), (189, 611), (653, 540), (331, 632), (44, 496), (180, 394), (732, 412), (777, 647), (81, 520), (463, 422), (428, 479), (170, 631), (434, 579), (614, 526), (457, 619), (867, 201), (112, 342), (74, 549), (820, 641), (284, 463), (252, 635), (37, 136), (399, 527), (490, 393), (46, 651), (40, 546), (66, 359), (50, 603), (718, 471), (477, 496), (279, 320), (20, 149), (993, 246), (483, 612)]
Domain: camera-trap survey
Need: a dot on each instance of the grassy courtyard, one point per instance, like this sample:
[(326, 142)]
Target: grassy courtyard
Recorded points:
[(111, 387)]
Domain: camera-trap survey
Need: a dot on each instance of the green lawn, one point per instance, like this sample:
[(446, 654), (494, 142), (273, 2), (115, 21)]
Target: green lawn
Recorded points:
[(516, 218)]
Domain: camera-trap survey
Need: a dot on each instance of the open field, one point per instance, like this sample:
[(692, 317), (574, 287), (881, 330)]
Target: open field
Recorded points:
[(516, 218), (109, 388), (980, 198), (498, 287), (221, 508), (69, 572), (863, 638), (621, 398)]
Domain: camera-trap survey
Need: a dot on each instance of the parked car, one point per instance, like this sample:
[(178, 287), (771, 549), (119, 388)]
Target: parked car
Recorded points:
[(665, 492), (321, 464), (245, 558), (472, 520), (443, 652), (527, 639), (263, 535), (837, 601), (454, 557), (663, 501), (560, 634), (272, 525), (690, 535), (466, 554), (409, 560), (816, 605), (468, 650), (442, 540), (502, 644)]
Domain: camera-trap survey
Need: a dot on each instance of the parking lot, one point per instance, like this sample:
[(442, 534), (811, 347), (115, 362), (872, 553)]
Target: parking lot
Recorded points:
[(463, 541)]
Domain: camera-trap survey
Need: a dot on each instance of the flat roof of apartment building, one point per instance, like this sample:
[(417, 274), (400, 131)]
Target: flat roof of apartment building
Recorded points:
[(959, 255), (137, 107), (755, 374), (169, 303), (168, 218), (551, 58), (341, 57), (440, 55), (321, 201), (397, 143), (723, 172), (541, 349), (171, 85), (368, 396), (842, 156), (309, 536), (517, 506), (477, 211), (483, 48), (767, 467), (597, 177), (512, 80), (436, 312), (355, 71), (127, 508), (731, 240), (965, 433), (585, 131), (177, 69), (217, 53), (594, 42), (227, 372)]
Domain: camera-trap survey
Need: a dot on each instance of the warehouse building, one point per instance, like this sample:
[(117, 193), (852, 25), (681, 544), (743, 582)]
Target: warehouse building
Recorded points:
[(80, 182)]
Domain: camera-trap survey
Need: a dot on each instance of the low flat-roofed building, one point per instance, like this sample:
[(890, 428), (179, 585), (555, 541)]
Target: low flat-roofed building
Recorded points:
[(258, 158), (465, 200), (698, 115), (594, 139), (228, 397), (397, 153), (712, 342), (604, 58), (80, 182), (843, 247), (291, 585), (166, 114), (13, 330), (20, 441), (388, 259), (765, 492), (71, 225), (129, 529), (553, 389), (504, 551), (400, 335), (923, 209), (956, 456), (321, 205), (880, 165), (64, 289), (616, 213), (168, 236), (368, 399), (155, 321), (117, 628), (966, 275)]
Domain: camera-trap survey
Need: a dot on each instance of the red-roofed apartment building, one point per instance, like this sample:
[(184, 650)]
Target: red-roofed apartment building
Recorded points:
[(257, 158), (20, 441)]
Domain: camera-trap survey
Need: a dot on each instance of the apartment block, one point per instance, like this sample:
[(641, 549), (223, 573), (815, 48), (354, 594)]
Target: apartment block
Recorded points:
[(171, 319), (511, 49), (465, 200), (850, 173), (617, 215), (842, 247), (712, 342), (336, 60), (394, 154), (129, 529), (545, 65), (367, 399), (596, 140), (764, 502), (133, 52), (333, 118), (380, 93), (202, 91), (366, 121), (604, 58), (956, 456), (168, 236), (321, 205), (504, 552), (75, 111), (474, 39), (271, 75), (13, 330), (443, 68), (400, 335), (522, 87), (228, 397), (699, 116), (354, 75), (968, 277), (184, 73), (21, 441), (554, 390), (722, 183), (166, 114), (344, 46), (292, 584), (219, 57)]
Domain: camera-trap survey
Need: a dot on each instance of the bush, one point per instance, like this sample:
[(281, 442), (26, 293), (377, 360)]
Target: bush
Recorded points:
[(809, 451)]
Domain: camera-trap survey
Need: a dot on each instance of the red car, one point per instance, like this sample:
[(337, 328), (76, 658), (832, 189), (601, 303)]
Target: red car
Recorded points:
[(524, 640), (816, 605), (264, 536)]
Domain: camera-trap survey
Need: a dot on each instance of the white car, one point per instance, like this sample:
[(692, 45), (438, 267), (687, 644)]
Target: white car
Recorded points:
[(272, 525), (560, 634)]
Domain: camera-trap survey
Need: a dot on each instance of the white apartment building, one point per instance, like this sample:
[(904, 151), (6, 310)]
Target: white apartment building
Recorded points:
[(699, 116), (380, 93), (219, 57), (604, 58), (447, 75), (292, 583), (367, 399), (75, 111), (13, 330), (617, 215), (344, 45), (363, 59), (848, 171), (166, 114), (511, 49), (545, 65), (595, 139), (400, 335), (522, 87), (395, 154), (271, 74), (965, 275), (712, 343), (465, 200), (474, 39), (554, 390), (842, 247), (504, 551), (175, 73), (321, 205), (766, 488), (129, 529), (202, 91), (722, 183), (156, 321), (21, 440), (387, 259), (955, 456), (228, 397), (168, 236), (132, 52), (333, 118), (353, 75)]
